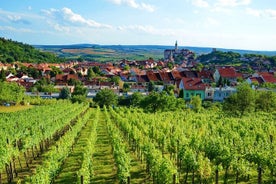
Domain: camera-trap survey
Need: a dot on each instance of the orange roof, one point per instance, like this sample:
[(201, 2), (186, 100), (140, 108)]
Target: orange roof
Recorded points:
[(193, 84), (152, 76), (227, 72), (165, 76)]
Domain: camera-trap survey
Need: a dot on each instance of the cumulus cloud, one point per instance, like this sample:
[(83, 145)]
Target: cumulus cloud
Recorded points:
[(68, 17), (134, 4), (267, 13), (12, 17)]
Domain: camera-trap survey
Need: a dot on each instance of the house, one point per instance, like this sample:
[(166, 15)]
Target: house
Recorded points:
[(153, 77), (206, 76), (64, 78), (254, 80), (209, 93), (226, 74), (142, 80), (268, 77), (166, 77), (221, 93), (192, 87)]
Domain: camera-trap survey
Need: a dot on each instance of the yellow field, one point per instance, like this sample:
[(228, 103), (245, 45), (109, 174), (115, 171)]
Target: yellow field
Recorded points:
[(14, 108)]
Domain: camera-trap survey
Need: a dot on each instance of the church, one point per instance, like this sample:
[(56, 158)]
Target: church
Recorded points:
[(171, 54)]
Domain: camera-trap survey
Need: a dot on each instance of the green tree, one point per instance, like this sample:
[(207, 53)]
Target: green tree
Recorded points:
[(241, 102), (106, 97), (151, 86), (11, 92), (266, 101), (97, 70), (196, 103), (115, 79), (126, 87), (169, 89), (55, 71), (90, 73), (136, 99), (65, 93), (2, 75)]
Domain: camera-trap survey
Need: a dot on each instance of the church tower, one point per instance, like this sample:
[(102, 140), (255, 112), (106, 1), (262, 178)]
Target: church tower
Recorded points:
[(176, 47)]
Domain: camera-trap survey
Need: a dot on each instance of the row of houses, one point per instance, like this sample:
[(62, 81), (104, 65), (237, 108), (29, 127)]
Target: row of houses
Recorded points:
[(186, 79)]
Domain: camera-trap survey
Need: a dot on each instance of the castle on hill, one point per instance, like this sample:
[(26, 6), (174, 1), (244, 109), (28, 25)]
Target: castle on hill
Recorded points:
[(172, 54)]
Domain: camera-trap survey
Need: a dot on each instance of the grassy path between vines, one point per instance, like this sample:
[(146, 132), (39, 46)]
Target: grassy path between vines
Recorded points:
[(103, 162), (73, 162)]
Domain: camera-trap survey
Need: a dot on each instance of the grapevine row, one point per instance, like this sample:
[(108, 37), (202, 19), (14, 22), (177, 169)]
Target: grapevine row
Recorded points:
[(54, 159)]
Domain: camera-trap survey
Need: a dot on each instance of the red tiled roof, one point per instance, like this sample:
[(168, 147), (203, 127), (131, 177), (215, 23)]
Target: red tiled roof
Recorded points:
[(153, 76), (176, 74), (227, 72), (142, 78), (269, 78), (256, 79), (193, 84), (165, 76)]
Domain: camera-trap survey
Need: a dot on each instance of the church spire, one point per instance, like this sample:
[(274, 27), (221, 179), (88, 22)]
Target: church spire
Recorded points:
[(176, 47)]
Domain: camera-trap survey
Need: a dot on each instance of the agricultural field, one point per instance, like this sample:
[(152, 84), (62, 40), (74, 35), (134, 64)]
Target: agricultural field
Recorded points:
[(72, 143)]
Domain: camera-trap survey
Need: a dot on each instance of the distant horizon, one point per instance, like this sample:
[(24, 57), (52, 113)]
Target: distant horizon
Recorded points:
[(169, 46)]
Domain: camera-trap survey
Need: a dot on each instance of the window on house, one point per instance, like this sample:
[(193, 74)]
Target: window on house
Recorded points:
[(187, 95)]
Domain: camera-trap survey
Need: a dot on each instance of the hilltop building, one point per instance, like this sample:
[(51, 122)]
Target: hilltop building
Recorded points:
[(176, 54)]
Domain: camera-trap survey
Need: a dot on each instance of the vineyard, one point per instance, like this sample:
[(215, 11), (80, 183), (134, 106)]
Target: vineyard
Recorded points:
[(72, 143)]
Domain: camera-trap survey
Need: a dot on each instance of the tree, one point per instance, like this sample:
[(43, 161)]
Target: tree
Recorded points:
[(115, 79), (65, 93), (136, 99), (126, 87), (196, 103), (241, 102), (151, 86), (2, 75), (266, 101), (79, 94), (169, 89), (96, 70), (55, 71), (11, 92), (106, 97), (90, 74)]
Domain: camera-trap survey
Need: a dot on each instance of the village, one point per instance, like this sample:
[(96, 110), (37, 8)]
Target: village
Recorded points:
[(179, 69)]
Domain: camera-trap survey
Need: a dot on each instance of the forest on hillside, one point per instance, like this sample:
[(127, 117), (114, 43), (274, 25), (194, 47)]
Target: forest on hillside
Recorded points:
[(12, 51)]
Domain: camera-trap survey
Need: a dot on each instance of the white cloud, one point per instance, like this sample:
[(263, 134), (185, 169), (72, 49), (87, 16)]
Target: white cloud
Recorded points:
[(267, 13), (200, 3), (14, 18), (67, 17), (232, 3), (134, 4), (13, 29), (148, 29)]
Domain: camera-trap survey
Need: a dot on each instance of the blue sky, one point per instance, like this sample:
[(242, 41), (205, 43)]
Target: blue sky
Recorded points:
[(237, 24)]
